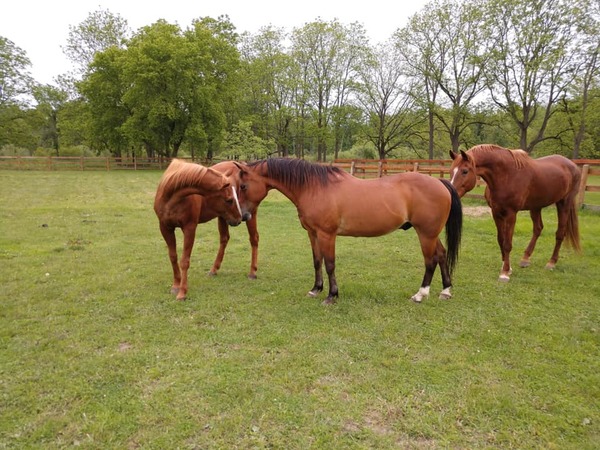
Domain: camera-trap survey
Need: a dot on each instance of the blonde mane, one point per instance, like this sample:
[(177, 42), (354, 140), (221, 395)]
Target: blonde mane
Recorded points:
[(519, 157), (178, 175)]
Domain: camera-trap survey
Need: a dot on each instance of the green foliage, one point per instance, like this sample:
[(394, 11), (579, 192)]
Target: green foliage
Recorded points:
[(96, 353), (242, 143)]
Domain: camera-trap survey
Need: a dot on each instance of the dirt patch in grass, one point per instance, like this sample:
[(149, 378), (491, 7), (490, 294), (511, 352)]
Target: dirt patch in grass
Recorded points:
[(477, 211)]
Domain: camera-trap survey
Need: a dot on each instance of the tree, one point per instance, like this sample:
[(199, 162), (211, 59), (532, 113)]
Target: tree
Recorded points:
[(98, 32), (50, 101), (588, 73), (444, 45), (15, 80), (325, 53), (532, 62), (386, 97)]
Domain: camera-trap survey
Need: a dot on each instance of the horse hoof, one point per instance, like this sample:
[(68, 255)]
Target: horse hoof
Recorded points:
[(525, 263), (504, 278), (174, 290), (328, 301), (252, 276), (416, 298), (444, 296), (212, 273), (181, 299), (550, 266), (312, 294)]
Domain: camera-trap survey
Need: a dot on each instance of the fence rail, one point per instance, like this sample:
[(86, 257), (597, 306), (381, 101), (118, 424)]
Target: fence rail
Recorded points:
[(86, 163), (362, 168)]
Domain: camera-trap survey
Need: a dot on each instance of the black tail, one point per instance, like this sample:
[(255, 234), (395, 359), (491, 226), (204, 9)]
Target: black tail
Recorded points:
[(453, 226)]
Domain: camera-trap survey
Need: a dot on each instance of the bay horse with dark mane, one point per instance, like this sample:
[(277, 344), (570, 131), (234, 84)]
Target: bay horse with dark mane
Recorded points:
[(331, 202), (516, 182), (189, 194)]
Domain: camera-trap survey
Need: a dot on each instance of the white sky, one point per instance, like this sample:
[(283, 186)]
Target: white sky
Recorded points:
[(41, 27)]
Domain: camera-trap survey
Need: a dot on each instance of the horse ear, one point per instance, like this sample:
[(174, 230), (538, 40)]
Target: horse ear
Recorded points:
[(464, 155), (453, 155), (241, 167)]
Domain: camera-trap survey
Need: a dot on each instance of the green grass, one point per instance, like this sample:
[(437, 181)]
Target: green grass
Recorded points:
[(95, 353)]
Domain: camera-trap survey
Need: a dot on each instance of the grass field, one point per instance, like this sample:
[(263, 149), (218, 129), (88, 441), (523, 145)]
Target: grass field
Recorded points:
[(95, 352)]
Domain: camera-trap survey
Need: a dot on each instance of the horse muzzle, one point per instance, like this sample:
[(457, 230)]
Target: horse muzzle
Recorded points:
[(246, 216)]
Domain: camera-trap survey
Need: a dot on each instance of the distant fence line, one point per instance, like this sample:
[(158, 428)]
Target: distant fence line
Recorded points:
[(362, 168)]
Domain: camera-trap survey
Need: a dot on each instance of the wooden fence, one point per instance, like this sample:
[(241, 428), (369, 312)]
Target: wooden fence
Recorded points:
[(362, 168)]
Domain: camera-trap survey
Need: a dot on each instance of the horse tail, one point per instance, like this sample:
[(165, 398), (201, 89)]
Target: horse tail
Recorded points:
[(453, 226), (573, 228)]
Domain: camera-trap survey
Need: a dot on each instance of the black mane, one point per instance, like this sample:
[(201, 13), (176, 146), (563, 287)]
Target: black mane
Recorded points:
[(298, 173)]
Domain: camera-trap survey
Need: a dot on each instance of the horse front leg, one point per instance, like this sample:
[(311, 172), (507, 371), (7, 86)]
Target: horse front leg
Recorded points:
[(538, 226), (317, 263), (189, 235), (223, 240), (168, 234), (505, 225), (327, 246), (253, 236)]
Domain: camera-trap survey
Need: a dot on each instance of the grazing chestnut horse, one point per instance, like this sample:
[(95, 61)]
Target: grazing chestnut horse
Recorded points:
[(331, 202), (187, 195), (515, 182)]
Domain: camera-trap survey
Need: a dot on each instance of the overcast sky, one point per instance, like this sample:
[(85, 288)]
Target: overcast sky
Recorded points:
[(41, 27)]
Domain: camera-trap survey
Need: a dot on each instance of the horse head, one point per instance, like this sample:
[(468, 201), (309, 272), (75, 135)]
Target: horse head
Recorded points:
[(463, 172), (252, 188)]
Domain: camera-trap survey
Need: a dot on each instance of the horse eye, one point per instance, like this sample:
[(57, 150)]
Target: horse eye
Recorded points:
[(465, 171), (229, 201), (243, 187)]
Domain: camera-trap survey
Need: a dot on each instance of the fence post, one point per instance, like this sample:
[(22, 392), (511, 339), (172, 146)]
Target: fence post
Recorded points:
[(380, 169), (584, 176), (352, 167)]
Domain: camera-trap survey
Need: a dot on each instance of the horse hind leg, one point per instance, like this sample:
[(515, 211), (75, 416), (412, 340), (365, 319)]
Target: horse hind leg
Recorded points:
[(562, 211), (538, 226), (428, 248), (441, 256)]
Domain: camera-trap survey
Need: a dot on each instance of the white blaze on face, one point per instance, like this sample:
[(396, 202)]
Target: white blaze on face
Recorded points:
[(454, 172), (237, 202)]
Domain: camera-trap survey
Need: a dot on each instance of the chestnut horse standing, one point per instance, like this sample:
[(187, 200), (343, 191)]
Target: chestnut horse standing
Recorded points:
[(189, 194), (516, 182), (331, 202)]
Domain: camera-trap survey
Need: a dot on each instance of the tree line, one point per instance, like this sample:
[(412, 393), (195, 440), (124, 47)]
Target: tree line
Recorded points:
[(518, 73)]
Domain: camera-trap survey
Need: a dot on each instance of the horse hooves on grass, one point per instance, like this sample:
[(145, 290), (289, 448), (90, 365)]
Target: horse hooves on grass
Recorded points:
[(212, 273), (328, 301), (312, 294), (550, 266), (524, 263), (444, 296), (252, 276), (504, 278), (174, 290)]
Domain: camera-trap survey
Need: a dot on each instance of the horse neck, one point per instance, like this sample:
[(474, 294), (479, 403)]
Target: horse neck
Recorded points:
[(487, 166), (293, 195)]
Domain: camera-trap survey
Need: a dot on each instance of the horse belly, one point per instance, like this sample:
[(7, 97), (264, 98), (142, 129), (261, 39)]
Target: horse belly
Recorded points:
[(375, 220)]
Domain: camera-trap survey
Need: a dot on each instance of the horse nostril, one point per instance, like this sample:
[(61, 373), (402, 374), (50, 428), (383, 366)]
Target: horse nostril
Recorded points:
[(246, 217)]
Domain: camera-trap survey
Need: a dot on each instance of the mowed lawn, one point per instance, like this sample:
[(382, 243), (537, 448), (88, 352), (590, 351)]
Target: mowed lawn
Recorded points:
[(96, 353)]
